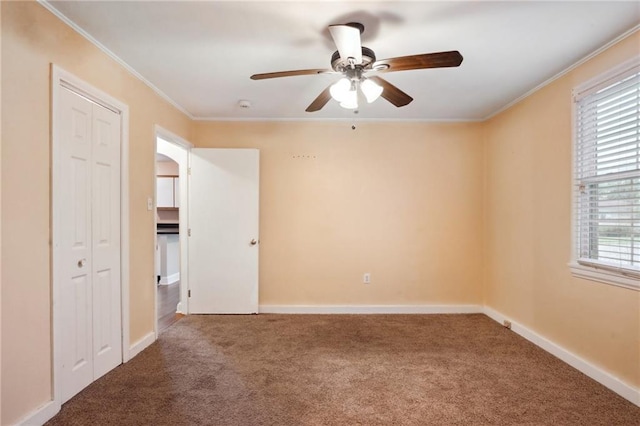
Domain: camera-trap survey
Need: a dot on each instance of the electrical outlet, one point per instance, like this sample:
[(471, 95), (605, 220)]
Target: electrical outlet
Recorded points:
[(507, 324), (366, 278)]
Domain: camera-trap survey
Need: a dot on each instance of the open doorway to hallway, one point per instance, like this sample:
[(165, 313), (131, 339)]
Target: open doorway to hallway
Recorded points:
[(171, 229), (167, 240)]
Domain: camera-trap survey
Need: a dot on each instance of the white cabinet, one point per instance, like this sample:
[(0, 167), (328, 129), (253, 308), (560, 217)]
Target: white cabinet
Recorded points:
[(176, 192), (167, 192), (164, 192)]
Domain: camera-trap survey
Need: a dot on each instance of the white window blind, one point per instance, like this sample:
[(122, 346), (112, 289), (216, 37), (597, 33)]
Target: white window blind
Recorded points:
[(607, 174)]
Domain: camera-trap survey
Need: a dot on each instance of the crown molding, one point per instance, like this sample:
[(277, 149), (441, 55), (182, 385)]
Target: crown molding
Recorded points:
[(338, 120)]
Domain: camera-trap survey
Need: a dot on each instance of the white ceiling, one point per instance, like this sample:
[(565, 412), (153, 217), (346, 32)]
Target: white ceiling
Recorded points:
[(201, 54)]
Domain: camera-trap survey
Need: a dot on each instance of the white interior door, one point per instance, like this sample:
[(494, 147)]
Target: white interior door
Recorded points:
[(223, 222), (75, 234), (89, 235), (105, 214)]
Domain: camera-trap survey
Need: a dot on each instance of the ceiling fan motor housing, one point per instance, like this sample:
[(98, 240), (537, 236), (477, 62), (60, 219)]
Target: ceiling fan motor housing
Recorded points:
[(340, 65), (357, 25)]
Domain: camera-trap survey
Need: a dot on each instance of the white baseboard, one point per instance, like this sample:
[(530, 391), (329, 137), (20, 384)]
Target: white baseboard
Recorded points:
[(170, 279), (618, 386), (370, 309), (141, 344), (41, 415)]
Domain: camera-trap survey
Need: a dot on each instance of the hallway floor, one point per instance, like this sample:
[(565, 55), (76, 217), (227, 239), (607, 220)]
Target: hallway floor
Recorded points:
[(168, 299)]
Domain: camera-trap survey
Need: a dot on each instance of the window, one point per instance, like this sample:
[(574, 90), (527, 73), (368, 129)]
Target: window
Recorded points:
[(607, 178)]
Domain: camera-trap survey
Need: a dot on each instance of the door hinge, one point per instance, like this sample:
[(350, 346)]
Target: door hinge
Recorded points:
[(188, 293), (189, 232), (189, 171)]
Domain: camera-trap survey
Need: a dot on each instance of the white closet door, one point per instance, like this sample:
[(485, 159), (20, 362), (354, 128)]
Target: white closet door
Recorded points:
[(75, 234), (107, 319), (90, 242)]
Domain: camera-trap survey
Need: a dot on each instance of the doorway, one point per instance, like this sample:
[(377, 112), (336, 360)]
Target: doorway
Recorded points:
[(172, 156), (167, 256), (218, 218)]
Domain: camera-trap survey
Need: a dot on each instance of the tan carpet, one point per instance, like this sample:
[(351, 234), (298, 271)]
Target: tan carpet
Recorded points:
[(345, 370)]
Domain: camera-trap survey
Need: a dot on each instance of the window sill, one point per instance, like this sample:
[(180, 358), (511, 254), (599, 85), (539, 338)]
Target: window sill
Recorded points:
[(592, 273)]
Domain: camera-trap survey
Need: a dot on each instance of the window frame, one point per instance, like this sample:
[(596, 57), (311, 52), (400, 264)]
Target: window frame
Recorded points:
[(595, 271)]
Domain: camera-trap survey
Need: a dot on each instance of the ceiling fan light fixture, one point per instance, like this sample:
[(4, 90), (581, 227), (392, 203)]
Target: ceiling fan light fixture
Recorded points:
[(370, 89), (350, 100), (340, 89)]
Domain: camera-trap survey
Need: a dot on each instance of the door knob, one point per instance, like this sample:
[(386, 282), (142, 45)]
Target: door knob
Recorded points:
[(81, 262), (253, 242)]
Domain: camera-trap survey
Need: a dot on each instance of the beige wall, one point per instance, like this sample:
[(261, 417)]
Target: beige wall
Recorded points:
[(401, 201), (528, 230), (32, 38)]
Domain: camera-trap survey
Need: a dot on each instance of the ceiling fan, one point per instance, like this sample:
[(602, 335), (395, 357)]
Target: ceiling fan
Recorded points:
[(359, 68)]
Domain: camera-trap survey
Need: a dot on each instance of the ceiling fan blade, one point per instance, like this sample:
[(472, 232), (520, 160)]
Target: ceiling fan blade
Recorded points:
[(392, 93), (347, 40), (290, 73), (319, 102), (416, 62)]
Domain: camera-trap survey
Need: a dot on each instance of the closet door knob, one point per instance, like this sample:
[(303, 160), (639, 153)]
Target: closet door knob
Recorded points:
[(81, 263), (253, 242)]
